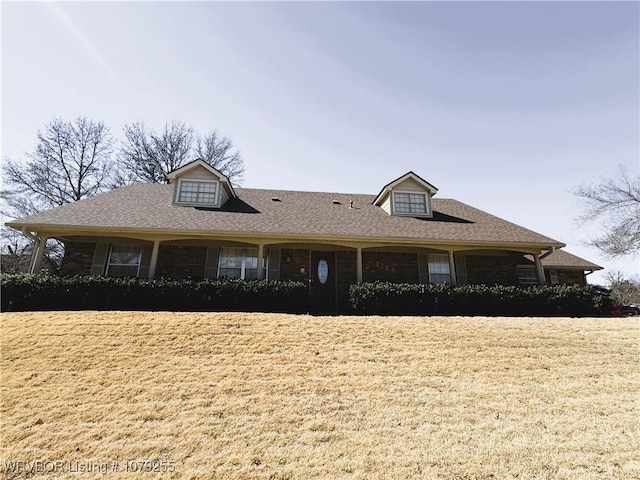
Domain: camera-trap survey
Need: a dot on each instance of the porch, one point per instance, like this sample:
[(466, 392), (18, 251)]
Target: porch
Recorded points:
[(328, 268)]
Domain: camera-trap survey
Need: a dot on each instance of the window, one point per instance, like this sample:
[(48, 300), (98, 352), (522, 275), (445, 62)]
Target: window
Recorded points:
[(124, 260), (553, 276), (197, 192), (439, 268), (240, 263), (527, 275), (410, 203)]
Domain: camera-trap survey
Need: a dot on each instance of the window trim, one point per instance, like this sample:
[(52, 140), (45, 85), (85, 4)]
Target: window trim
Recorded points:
[(446, 256), (243, 267), (181, 181), (424, 195), (109, 264)]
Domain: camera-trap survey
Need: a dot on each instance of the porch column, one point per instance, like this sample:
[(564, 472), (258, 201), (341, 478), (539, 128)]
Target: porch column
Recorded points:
[(260, 260), (452, 269), (34, 254), (41, 244), (154, 259), (539, 270), (359, 264)]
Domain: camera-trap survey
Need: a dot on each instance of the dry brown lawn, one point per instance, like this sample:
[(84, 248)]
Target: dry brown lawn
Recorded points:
[(238, 396)]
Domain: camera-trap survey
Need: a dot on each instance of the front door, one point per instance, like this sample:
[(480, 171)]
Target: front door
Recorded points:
[(323, 279)]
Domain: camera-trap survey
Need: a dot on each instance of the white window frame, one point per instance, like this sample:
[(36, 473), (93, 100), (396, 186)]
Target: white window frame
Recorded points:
[(427, 204), (182, 181), (243, 267), (443, 261), (110, 264)]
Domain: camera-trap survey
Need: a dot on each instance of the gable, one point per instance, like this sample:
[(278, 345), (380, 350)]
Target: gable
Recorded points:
[(198, 184), (408, 195), (199, 173), (410, 185)]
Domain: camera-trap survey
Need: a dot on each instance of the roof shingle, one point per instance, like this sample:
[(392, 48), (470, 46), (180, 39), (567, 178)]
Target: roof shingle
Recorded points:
[(564, 259), (149, 207)]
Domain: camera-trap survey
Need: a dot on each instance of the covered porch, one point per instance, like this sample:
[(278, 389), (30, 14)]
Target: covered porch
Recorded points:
[(329, 267)]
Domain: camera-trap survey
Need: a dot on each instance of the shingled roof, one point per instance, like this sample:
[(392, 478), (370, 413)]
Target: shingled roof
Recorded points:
[(273, 213), (561, 259), (566, 260)]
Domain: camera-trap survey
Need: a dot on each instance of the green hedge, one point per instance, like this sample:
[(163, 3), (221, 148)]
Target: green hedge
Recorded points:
[(45, 292), (382, 298)]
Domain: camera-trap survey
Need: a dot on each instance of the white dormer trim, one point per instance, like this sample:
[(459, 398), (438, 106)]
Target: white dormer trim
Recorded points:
[(224, 189), (387, 201), (427, 204), (198, 162), (181, 184)]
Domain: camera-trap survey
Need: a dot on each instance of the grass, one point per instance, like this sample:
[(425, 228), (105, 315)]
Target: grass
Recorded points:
[(294, 397)]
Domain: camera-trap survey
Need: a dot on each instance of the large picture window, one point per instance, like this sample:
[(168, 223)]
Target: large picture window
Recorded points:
[(439, 268), (410, 203), (240, 263), (124, 260), (197, 192)]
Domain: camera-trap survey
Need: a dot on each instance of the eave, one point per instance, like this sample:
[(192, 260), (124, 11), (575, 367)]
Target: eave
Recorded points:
[(260, 237)]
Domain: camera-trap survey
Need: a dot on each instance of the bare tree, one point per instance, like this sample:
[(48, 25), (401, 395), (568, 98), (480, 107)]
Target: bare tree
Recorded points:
[(616, 203), (71, 161), (148, 156), (623, 290), (15, 252), (218, 152)]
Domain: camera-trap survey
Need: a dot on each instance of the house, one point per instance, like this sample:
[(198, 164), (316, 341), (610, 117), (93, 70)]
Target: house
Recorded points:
[(200, 226), (559, 267)]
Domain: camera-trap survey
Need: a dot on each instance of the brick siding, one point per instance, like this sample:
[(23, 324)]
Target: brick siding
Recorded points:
[(188, 262), (390, 267), (179, 261), (491, 269), (347, 274), (78, 257), (291, 261), (569, 277)]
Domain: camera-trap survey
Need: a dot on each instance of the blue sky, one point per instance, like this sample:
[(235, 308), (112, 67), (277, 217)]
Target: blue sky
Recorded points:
[(506, 106)]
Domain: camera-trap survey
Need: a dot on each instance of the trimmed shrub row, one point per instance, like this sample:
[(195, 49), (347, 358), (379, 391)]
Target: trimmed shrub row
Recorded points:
[(382, 298), (46, 292)]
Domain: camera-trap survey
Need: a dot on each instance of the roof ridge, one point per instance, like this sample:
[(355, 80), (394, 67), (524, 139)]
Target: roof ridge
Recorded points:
[(301, 191)]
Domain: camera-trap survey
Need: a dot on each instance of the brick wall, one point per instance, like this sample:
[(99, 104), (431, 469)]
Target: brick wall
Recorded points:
[(179, 261), (390, 267), (347, 274), (78, 257), (291, 261), (491, 269), (569, 277)]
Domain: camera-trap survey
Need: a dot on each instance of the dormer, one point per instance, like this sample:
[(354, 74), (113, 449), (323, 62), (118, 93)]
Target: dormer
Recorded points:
[(198, 184), (408, 196)]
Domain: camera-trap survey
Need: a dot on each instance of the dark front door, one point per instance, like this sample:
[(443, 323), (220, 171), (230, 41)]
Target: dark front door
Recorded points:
[(323, 279)]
